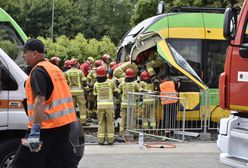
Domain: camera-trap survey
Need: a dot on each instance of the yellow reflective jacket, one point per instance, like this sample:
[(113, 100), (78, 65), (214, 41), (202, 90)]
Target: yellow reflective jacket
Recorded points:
[(75, 78)]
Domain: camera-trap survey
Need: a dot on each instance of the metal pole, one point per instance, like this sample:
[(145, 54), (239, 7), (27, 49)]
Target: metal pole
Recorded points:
[(52, 21), (205, 111)]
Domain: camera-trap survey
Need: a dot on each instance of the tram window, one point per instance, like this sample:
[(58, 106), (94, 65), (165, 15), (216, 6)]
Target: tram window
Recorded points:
[(216, 52), (191, 50)]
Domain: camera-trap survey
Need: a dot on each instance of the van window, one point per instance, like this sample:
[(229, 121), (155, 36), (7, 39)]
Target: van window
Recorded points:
[(190, 50), (215, 60), (7, 81)]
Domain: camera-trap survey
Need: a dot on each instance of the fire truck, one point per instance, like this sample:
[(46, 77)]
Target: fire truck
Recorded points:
[(233, 87)]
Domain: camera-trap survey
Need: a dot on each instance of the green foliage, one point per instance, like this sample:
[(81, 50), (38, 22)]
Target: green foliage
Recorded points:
[(78, 47), (10, 48), (92, 18), (143, 10)]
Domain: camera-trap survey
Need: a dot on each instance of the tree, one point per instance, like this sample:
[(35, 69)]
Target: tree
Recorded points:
[(78, 47), (143, 10)]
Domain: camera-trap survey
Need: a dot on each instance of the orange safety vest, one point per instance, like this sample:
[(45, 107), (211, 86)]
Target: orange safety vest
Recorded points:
[(59, 109), (167, 88)]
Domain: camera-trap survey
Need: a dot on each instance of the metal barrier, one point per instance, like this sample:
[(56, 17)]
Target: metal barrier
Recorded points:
[(156, 115), (191, 111)]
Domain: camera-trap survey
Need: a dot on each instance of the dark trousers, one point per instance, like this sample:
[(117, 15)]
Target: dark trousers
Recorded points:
[(56, 151), (170, 115)]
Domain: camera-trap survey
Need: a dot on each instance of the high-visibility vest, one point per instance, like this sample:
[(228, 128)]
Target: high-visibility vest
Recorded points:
[(59, 108), (74, 77), (104, 93), (127, 87), (167, 88), (150, 88)]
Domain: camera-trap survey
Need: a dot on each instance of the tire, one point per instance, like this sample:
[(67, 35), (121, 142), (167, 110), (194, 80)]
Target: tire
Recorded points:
[(8, 149)]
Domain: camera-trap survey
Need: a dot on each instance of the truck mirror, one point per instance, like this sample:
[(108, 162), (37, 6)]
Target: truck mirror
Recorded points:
[(160, 8), (230, 21)]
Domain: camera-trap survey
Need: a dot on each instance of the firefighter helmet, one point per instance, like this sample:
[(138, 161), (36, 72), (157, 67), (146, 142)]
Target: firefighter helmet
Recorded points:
[(91, 59), (106, 58), (98, 63), (129, 73), (67, 63), (73, 61), (101, 71), (55, 60), (145, 75), (112, 64)]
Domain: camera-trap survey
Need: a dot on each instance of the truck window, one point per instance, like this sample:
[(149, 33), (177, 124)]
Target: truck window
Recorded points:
[(7, 81), (245, 36), (215, 60)]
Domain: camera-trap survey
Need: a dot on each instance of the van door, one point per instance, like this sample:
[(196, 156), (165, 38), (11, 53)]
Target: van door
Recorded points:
[(8, 85), (4, 95)]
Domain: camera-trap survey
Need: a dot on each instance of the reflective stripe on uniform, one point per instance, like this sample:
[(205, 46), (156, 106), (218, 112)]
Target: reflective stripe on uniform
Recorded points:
[(101, 135), (54, 103), (105, 100), (56, 114), (110, 135)]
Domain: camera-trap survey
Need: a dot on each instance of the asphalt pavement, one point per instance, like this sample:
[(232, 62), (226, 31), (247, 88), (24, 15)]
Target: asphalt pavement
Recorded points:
[(184, 155)]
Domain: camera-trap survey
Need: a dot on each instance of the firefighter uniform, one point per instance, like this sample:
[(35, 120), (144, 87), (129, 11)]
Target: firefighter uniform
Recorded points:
[(154, 63), (104, 89), (149, 106), (75, 79), (119, 72), (91, 79), (128, 85)]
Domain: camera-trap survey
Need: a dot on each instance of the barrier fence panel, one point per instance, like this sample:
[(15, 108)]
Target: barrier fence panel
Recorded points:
[(193, 110), (156, 115)]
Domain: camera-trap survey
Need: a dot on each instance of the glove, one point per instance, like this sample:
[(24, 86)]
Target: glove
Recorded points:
[(91, 85), (33, 141)]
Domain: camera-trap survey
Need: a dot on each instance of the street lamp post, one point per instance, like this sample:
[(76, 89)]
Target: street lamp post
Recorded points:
[(52, 21)]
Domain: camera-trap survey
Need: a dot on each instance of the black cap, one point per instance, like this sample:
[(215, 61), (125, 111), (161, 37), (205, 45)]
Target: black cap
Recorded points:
[(34, 45)]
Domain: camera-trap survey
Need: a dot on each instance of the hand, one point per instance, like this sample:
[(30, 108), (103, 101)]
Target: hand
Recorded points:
[(91, 85), (33, 141)]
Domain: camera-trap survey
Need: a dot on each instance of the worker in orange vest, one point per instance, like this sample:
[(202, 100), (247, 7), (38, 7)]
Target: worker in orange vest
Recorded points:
[(168, 89), (50, 112)]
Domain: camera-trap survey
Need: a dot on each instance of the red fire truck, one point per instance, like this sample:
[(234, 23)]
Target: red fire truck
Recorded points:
[(233, 87)]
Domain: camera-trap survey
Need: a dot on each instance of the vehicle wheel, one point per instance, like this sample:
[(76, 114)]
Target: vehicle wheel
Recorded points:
[(8, 149)]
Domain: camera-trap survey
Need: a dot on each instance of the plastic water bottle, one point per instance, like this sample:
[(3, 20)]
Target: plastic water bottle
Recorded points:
[(141, 140)]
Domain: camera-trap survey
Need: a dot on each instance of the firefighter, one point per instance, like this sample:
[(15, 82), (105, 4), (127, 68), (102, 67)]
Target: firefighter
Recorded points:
[(149, 111), (106, 58), (112, 64), (91, 79), (104, 89), (117, 98), (119, 72), (154, 65), (66, 66), (87, 66), (77, 82), (128, 85), (55, 60)]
